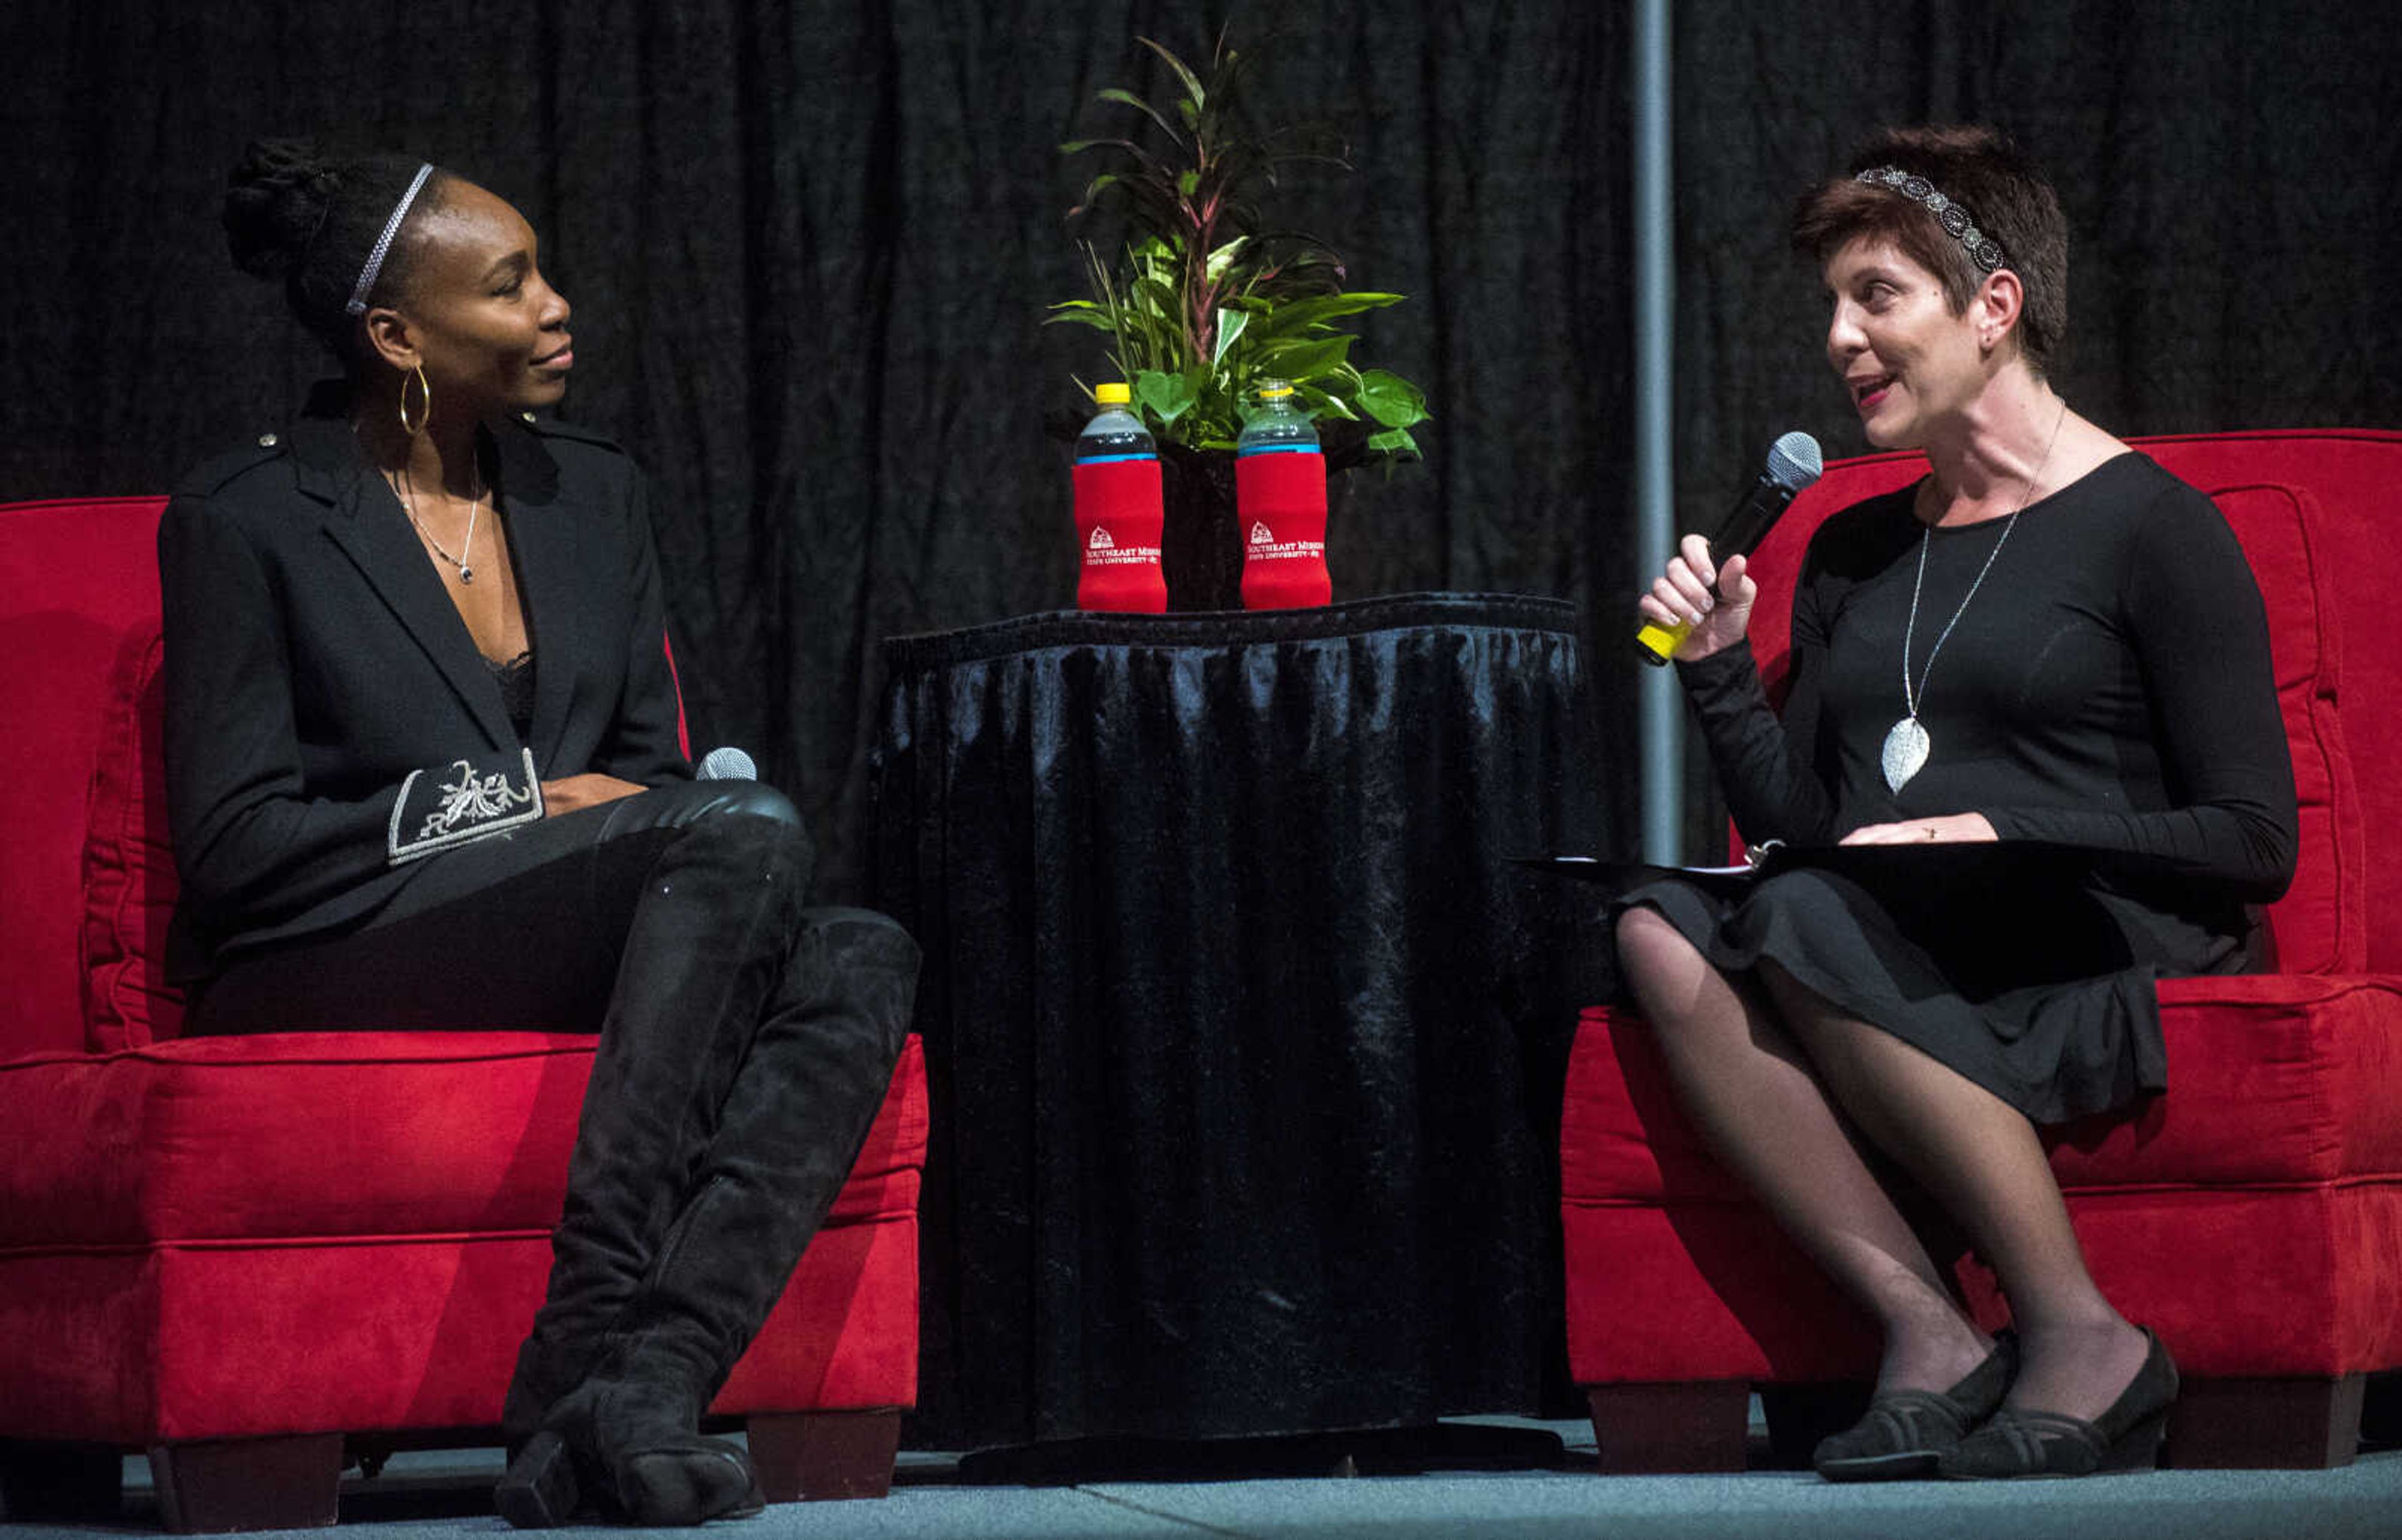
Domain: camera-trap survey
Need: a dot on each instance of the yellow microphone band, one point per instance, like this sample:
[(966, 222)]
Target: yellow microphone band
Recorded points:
[(1656, 642)]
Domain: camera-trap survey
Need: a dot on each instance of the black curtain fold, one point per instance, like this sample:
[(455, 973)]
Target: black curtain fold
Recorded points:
[(810, 247)]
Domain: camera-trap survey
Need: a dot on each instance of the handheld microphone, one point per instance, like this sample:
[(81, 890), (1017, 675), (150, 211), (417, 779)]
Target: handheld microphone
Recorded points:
[(728, 763), (1793, 463)]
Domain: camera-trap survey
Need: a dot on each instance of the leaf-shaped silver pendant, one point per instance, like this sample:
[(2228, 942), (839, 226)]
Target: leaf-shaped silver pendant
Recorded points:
[(1906, 749)]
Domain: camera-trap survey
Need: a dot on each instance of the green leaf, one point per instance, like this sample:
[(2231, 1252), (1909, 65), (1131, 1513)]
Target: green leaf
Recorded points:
[(1230, 324), (1222, 260), (1319, 309), (1086, 315), (1165, 397), (1302, 360), (1157, 286), (1324, 403), (1127, 98), (1394, 441), (1192, 91), (1390, 399)]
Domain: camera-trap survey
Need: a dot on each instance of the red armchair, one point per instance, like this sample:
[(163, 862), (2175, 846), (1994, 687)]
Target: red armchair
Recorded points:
[(233, 1252), (2253, 1214)]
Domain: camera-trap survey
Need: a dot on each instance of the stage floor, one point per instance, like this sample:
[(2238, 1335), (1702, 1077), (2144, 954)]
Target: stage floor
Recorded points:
[(423, 1494)]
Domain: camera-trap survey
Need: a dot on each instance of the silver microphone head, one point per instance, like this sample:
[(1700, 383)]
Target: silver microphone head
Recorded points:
[(1794, 461), (728, 763)]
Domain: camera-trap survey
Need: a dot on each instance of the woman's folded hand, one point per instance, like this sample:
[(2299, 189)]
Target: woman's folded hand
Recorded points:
[(1952, 829), (570, 793)]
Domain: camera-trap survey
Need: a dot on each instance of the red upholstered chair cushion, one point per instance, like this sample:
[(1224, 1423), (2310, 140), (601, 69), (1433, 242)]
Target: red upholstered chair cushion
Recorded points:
[(2320, 926), (128, 862), (79, 578), (328, 1221), (2280, 1079), (371, 1133)]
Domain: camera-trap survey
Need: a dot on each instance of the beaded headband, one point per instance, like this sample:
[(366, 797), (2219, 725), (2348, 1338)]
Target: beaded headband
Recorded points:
[(1982, 249), (358, 304)]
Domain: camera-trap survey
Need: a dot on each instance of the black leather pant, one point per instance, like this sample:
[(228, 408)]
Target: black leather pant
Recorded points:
[(521, 931), (746, 1042)]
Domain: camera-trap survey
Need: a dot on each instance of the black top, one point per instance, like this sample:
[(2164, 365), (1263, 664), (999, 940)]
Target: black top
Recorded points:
[(2108, 689), (516, 678), (329, 721)]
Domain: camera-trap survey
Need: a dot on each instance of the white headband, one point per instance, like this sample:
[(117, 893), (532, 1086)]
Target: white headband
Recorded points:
[(358, 304)]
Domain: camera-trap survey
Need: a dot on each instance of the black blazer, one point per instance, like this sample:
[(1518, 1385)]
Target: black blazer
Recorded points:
[(328, 718)]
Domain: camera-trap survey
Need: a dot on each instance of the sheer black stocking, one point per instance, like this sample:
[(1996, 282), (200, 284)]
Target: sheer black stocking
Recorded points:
[(1758, 1102), (1979, 1158)]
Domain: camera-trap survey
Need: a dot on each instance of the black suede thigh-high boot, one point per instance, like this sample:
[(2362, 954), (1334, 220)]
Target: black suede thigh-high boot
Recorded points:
[(789, 1132), (720, 894)]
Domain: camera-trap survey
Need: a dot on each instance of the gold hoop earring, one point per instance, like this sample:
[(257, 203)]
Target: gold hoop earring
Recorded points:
[(413, 428)]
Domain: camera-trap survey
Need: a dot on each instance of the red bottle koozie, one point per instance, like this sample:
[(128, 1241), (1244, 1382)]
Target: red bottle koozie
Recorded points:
[(1117, 528), (1280, 500)]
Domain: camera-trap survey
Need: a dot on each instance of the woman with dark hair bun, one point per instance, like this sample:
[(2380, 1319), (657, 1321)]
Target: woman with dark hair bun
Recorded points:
[(424, 771), (2048, 642)]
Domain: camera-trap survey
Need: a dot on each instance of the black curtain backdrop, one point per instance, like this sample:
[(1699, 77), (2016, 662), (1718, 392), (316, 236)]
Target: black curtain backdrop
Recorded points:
[(810, 246)]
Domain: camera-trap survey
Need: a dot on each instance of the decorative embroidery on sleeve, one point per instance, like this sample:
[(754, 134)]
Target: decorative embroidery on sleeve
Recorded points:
[(442, 808)]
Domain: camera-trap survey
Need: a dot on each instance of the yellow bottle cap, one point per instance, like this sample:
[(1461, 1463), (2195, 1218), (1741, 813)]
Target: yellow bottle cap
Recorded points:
[(1274, 390), (1111, 394)]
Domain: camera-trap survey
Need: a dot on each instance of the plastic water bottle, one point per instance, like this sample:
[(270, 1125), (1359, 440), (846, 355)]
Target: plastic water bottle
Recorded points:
[(1118, 511), (1280, 502)]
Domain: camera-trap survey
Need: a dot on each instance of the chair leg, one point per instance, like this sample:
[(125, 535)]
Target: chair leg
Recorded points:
[(2264, 1424), (1799, 1416), (210, 1487), (810, 1456), (1657, 1429), (2381, 1411), (60, 1482)]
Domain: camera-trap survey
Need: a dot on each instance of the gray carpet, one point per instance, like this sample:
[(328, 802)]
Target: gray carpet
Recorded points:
[(444, 1495)]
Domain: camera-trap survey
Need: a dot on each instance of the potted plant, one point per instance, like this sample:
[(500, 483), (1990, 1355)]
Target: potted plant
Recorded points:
[(1204, 304)]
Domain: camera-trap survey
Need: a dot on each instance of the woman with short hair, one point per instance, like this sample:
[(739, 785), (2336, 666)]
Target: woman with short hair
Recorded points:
[(2047, 641)]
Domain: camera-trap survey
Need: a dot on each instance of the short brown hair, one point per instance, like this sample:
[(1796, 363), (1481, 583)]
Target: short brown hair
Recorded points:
[(2003, 191)]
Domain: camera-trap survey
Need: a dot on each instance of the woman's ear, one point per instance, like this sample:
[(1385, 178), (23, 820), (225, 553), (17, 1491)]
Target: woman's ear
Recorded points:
[(2001, 299), (391, 339)]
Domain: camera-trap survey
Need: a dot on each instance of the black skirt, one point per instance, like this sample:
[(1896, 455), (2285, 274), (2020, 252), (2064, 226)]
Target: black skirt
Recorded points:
[(2019, 971)]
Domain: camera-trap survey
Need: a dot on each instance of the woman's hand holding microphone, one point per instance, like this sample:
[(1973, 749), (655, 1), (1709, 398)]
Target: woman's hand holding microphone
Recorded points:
[(1710, 604)]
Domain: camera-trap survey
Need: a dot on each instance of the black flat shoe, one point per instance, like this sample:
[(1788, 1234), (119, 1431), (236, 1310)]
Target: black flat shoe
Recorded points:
[(2014, 1444), (1907, 1433)]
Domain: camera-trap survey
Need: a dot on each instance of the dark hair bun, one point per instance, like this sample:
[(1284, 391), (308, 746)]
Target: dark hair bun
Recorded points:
[(275, 202), (295, 213)]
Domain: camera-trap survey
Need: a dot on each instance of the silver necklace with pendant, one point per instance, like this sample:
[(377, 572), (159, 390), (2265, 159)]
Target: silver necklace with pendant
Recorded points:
[(1906, 744), (408, 505), (464, 563)]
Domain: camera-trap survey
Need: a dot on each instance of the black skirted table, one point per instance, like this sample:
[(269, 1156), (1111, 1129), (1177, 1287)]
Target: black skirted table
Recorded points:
[(1244, 1035)]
